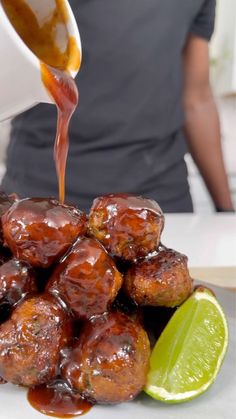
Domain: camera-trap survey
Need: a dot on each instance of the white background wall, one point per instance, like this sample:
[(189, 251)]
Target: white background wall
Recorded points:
[(223, 49), (227, 111), (223, 76)]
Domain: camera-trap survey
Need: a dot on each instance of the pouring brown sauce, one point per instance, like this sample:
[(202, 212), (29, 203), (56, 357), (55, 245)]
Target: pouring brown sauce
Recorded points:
[(54, 400), (64, 92), (40, 37)]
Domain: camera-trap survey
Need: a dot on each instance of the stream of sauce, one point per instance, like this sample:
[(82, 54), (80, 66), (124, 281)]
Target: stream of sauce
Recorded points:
[(64, 92), (41, 37), (56, 63)]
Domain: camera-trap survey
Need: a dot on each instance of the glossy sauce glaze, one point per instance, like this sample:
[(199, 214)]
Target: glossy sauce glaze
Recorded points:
[(39, 231), (87, 280), (16, 281), (162, 280), (122, 201), (31, 341), (108, 362), (128, 226), (57, 400), (40, 35)]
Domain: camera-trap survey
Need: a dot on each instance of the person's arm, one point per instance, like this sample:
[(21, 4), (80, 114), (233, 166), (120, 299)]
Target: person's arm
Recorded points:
[(202, 126)]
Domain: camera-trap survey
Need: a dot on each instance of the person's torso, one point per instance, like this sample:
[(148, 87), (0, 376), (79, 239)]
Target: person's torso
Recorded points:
[(130, 86)]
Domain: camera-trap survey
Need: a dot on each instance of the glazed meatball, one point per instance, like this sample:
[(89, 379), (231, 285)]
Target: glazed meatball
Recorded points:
[(5, 203), (16, 281), (87, 279), (110, 360), (39, 231), (31, 340), (128, 226), (162, 280)]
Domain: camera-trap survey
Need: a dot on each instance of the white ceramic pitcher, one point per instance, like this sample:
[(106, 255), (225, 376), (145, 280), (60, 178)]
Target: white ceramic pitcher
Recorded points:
[(21, 86)]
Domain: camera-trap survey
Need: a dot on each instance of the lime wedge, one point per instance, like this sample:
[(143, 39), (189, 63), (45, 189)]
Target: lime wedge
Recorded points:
[(189, 353)]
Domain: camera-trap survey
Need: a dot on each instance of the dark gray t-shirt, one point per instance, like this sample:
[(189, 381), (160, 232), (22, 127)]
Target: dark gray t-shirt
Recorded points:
[(126, 135)]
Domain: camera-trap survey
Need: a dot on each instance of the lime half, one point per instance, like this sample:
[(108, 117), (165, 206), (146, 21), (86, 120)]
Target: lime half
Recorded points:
[(190, 351)]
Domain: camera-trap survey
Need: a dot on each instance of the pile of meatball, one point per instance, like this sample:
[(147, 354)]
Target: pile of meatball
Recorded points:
[(74, 290)]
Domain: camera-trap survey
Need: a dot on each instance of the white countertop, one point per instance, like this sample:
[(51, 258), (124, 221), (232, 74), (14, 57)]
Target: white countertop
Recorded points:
[(209, 241)]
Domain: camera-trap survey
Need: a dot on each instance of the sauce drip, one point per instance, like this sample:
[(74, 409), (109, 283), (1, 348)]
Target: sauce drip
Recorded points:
[(64, 92), (57, 400), (114, 202), (40, 34)]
